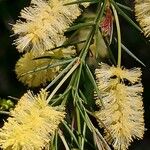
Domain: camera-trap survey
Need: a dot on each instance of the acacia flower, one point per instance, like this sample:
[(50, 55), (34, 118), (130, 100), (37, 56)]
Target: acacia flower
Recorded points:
[(35, 72), (142, 12), (32, 123), (86, 4), (43, 23), (121, 93)]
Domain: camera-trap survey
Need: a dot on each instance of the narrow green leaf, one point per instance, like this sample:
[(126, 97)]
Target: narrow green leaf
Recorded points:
[(50, 57), (56, 141), (118, 34), (124, 7), (91, 126), (82, 1), (71, 133), (97, 142), (83, 96), (83, 138), (84, 115), (121, 12), (47, 67), (63, 140), (66, 44), (132, 55), (101, 139), (61, 96), (80, 25), (93, 82)]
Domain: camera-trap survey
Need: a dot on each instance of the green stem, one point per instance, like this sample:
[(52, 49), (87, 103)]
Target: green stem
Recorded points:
[(118, 35), (63, 80), (76, 84), (62, 73), (79, 125), (124, 7), (83, 138), (91, 78), (66, 92), (49, 66), (53, 145), (80, 25), (98, 18), (71, 133), (91, 126), (81, 1), (63, 140)]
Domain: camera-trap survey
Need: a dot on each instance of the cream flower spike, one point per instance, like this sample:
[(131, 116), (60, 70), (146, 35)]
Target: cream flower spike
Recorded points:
[(86, 4), (44, 25), (35, 72), (123, 111), (142, 12), (35, 78), (32, 124)]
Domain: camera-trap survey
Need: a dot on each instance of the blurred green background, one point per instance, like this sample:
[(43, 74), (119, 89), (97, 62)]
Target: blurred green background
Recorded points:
[(133, 39)]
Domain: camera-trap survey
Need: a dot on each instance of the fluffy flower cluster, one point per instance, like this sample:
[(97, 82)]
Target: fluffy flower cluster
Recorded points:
[(122, 115), (32, 124), (35, 72), (43, 23), (142, 12), (86, 4)]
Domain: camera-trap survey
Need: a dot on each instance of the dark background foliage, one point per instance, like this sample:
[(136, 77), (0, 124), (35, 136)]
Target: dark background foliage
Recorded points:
[(9, 11), (133, 39)]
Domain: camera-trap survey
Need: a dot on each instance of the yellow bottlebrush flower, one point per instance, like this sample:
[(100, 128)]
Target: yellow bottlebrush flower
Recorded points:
[(35, 72), (32, 124), (44, 25), (142, 12), (87, 4), (122, 114), (35, 78)]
